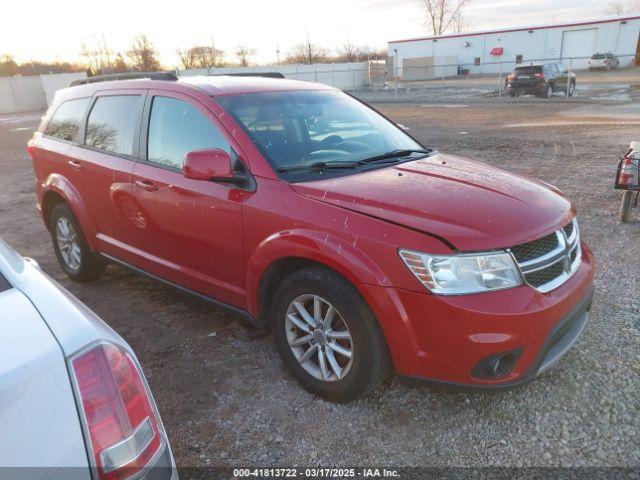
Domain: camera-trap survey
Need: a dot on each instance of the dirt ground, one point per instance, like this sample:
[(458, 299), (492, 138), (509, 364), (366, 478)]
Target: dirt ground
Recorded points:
[(226, 399)]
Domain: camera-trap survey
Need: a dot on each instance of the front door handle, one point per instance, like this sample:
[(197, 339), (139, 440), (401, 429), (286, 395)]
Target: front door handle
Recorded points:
[(75, 164), (147, 185)]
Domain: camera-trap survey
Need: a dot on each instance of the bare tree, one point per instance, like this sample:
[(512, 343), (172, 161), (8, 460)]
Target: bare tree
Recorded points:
[(97, 54), (349, 53), (616, 8), (119, 64), (307, 53), (8, 66), (142, 55), (461, 23), (243, 54), (620, 8), (200, 57), (441, 15)]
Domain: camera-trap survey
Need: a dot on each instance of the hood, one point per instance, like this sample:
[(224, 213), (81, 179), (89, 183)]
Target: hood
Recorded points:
[(471, 205)]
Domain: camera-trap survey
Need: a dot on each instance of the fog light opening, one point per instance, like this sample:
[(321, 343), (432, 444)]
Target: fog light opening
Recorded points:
[(501, 365)]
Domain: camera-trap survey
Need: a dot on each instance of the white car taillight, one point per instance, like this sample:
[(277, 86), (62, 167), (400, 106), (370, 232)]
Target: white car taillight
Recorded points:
[(121, 423)]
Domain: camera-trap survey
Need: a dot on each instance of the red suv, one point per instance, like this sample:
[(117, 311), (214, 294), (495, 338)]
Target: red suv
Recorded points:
[(310, 214)]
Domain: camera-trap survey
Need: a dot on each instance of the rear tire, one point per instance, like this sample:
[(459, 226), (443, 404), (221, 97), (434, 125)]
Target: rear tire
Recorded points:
[(321, 368), (549, 91), (74, 255), (628, 199)]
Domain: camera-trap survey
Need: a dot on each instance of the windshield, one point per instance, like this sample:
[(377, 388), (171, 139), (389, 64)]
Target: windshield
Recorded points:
[(299, 130), (598, 56)]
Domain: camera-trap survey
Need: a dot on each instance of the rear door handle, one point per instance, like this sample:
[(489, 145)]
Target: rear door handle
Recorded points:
[(76, 165), (147, 185)]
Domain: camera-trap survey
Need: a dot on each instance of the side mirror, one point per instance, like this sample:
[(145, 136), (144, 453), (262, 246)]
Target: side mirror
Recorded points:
[(208, 164)]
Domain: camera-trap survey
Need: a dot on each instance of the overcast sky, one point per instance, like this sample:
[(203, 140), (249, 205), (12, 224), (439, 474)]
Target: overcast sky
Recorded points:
[(51, 30)]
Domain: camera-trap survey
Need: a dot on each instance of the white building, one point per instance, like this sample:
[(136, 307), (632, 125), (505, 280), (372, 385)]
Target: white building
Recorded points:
[(486, 52)]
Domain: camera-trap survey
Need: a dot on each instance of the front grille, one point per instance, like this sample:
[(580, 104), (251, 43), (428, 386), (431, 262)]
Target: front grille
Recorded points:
[(535, 249), (548, 262), (568, 229), (546, 275)]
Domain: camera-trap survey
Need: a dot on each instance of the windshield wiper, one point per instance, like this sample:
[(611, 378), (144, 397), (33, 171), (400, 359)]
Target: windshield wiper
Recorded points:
[(318, 166), (389, 157), (394, 154)]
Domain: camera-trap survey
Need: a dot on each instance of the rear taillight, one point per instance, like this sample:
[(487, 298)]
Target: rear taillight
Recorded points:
[(124, 433), (606, 61), (628, 172), (539, 75)]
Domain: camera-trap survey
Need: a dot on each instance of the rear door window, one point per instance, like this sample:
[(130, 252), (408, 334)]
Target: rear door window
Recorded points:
[(65, 122), (175, 128), (113, 123)]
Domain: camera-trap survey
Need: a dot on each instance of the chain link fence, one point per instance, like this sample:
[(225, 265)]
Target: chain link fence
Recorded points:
[(490, 79), (445, 79)]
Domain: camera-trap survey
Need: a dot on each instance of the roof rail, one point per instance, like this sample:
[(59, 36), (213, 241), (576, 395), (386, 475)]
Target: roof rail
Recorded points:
[(169, 76), (251, 74)]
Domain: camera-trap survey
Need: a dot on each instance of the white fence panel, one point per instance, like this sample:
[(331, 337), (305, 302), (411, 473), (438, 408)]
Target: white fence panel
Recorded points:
[(346, 76), (21, 94), (52, 83)]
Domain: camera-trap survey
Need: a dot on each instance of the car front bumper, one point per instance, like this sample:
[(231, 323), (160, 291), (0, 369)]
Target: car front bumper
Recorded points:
[(447, 340)]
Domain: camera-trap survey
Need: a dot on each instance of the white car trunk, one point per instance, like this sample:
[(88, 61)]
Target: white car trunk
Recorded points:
[(39, 425)]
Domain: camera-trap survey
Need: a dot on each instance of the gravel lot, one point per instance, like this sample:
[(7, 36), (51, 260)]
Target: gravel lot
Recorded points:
[(226, 399)]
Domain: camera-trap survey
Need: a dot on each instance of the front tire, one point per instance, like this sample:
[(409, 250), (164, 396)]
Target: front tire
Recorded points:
[(73, 253), (327, 336)]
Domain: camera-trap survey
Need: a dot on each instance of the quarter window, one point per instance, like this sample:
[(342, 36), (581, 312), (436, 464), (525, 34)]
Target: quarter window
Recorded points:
[(176, 128), (65, 122), (113, 123)]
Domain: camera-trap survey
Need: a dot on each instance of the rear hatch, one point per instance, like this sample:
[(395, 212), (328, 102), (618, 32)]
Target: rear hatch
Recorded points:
[(39, 422), (526, 76)]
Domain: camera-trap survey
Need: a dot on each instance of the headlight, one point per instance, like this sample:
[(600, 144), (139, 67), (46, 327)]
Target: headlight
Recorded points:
[(461, 274)]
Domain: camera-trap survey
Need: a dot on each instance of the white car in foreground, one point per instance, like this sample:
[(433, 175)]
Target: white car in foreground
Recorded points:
[(74, 403)]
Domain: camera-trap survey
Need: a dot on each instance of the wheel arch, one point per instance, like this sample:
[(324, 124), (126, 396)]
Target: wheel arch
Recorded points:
[(280, 255), (50, 199), (58, 189)]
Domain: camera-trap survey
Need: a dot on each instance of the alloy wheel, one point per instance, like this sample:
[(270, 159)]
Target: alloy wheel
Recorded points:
[(319, 338), (68, 245)]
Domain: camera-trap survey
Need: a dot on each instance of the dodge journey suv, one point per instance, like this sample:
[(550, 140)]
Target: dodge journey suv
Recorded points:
[(364, 252)]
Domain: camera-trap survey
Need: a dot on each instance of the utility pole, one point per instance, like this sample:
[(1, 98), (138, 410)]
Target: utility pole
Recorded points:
[(395, 68), (278, 54)]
